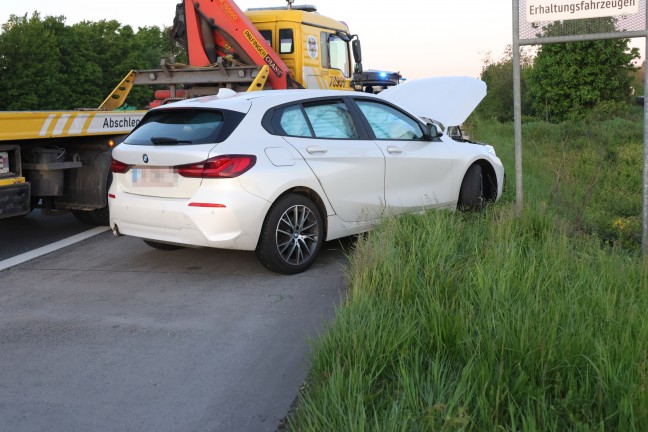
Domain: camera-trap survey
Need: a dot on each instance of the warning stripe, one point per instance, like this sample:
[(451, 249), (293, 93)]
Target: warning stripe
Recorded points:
[(60, 124), (44, 124), (79, 124)]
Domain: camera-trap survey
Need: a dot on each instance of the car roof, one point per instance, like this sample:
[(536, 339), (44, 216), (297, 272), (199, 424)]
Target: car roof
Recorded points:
[(449, 100), (228, 99)]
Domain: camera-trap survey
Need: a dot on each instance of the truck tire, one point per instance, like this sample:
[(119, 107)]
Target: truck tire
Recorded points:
[(100, 217), (83, 216)]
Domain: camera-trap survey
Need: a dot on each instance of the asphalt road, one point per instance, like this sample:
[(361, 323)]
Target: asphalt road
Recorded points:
[(111, 335), (22, 234)]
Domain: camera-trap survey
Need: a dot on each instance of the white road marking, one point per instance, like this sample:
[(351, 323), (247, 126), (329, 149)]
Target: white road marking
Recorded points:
[(22, 258)]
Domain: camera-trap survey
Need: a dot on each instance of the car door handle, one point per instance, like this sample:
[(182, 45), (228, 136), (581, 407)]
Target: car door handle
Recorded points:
[(316, 149), (394, 150)]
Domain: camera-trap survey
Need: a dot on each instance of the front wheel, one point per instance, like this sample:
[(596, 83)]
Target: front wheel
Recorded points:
[(292, 235), (471, 195)]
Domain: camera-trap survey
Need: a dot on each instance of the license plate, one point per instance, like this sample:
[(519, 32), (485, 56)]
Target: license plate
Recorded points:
[(4, 162), (154, 177)]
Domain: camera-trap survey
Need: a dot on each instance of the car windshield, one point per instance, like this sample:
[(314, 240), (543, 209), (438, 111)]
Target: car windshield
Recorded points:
[(180, 126)]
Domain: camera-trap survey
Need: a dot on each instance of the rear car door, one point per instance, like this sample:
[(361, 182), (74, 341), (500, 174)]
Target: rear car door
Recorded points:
[(349, 166)]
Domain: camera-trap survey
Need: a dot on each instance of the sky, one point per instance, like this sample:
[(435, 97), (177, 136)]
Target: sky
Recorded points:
[(417, 38)]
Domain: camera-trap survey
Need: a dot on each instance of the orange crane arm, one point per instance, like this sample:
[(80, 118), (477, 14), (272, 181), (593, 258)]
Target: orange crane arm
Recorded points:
[(209, 22)]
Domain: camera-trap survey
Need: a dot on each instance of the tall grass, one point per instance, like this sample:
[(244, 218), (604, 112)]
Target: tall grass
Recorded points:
[(587, 171), (486, 322), (497, 321)]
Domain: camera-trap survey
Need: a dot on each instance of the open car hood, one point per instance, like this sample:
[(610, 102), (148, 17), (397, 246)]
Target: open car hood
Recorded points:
[(449, 100)]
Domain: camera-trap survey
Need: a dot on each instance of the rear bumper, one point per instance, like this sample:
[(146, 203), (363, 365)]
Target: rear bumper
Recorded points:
[(235, 225)]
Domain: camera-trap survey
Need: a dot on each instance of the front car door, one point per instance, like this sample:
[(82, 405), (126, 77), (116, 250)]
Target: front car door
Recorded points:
[(418, 173)]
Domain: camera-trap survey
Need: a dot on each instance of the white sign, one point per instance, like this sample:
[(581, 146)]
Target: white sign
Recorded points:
[(558, 10)]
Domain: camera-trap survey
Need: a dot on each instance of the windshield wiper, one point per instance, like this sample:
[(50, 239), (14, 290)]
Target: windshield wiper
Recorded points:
[(168, 141)]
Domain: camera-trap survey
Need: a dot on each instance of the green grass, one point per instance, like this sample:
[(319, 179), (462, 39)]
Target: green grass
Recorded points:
[(587, 172), (492, 321), (483, 322)]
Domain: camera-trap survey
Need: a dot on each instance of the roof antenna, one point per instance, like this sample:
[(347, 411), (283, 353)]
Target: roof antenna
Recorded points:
[(290, 3)]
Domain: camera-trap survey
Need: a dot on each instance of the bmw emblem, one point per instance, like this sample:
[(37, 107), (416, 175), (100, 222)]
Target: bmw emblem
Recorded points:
[(145, 158)]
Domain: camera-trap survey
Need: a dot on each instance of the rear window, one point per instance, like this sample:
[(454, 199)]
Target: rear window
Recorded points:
[(184, 127)]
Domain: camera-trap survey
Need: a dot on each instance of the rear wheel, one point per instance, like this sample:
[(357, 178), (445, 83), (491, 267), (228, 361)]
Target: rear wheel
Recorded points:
[(292, 235), (471, 194), (161, 246)]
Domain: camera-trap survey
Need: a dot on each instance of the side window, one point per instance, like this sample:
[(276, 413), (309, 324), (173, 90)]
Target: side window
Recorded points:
[(293, 122), (389, 123), (339, 55), (267, 35), (326, 62), (331, 120), (286, 41)]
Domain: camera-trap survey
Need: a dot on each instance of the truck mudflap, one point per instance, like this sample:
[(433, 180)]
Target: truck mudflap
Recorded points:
[(14, 199), (86, 188)]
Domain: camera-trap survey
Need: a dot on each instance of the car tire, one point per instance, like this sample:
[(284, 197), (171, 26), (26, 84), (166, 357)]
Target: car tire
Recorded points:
[(471, 194), (161, 246), (292, 235)]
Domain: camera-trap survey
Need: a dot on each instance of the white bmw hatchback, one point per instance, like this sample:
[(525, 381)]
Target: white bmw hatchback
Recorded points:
[(280, 172)]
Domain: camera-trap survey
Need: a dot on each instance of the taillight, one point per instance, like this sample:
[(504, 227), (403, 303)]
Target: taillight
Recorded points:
[(119, 167), (226, 166)]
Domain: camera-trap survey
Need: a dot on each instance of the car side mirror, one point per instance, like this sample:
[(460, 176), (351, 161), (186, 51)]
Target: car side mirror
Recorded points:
[(433, 132)]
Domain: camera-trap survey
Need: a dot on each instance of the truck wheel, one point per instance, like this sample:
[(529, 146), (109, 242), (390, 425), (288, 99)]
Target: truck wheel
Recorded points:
[(83, 216), (471, 194), (292, 235), (100, 217)]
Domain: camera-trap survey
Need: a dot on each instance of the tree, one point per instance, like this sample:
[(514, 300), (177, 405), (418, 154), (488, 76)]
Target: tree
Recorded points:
[(47, 65), (498, 76), (570, 78), (30, 63)]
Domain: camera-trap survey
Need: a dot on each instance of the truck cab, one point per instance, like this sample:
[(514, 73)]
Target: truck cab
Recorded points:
[(315, 48)]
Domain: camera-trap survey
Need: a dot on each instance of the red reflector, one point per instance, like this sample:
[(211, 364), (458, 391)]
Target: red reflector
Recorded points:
[(111, 196), (119, 167), (226, 166), (196, 204)]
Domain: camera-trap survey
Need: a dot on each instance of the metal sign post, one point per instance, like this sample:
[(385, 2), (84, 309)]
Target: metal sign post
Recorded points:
[(531, 15)]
